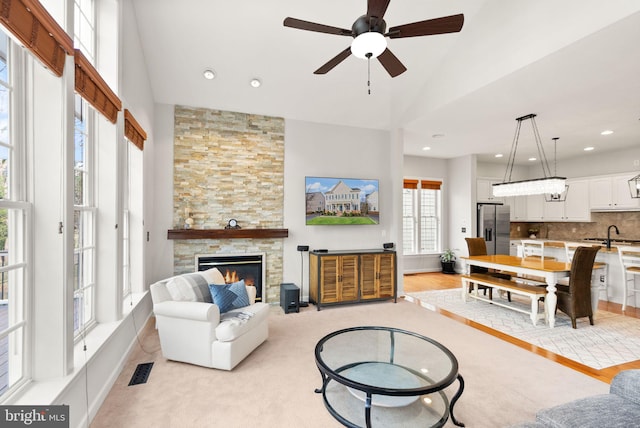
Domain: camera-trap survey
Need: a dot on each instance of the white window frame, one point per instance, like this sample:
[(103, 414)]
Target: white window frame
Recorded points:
[(84, 279), (412, 221), (17, 329)]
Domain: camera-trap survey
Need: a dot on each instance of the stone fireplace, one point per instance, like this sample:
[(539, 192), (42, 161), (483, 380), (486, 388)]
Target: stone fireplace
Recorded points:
[(236, 267), (229, 165)]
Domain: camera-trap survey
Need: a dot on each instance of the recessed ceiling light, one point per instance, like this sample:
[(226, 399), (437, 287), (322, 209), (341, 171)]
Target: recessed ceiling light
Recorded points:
[(255, 83), (209, 74), (532, 159), (426, 148), (498, 155), (588, 149), (606, 132)]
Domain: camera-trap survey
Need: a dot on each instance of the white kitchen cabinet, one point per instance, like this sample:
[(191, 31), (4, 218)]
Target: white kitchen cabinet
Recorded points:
[(535, 207), (518, 207), (612, 193), (574, 208), (484, 190)]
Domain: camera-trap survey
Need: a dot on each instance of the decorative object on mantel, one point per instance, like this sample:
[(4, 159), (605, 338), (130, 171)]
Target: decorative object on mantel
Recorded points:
[(227, 233), (188, 218), (232, 224), (556, 197), (634, 186), (536, 186)]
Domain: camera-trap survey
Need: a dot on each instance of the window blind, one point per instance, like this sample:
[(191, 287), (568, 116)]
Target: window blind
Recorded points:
[(30, 22), (410, 184), (431, 185), (90, 85), (133, 131)]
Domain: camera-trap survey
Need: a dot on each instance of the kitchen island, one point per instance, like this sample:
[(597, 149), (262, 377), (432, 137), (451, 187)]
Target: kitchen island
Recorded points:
[(610, 282)]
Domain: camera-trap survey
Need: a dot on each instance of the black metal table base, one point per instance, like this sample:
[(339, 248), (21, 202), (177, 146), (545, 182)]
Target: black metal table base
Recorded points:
[(368, 402)]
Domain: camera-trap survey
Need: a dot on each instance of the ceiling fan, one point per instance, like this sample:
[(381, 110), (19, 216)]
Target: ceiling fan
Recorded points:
[(368, 32)]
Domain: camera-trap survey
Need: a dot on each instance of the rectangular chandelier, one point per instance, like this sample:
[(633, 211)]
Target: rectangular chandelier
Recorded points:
[(548, 184), (536, 186)]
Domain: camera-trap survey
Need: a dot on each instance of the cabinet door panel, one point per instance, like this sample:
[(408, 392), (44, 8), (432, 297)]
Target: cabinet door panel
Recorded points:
[(349, 278), (368, 273), (329, 279), (386, 275)]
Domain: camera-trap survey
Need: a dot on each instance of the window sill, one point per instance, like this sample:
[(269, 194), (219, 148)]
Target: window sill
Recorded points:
[(45, 392)]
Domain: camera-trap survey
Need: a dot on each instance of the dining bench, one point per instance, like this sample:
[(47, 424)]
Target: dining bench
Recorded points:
[(533, 292)]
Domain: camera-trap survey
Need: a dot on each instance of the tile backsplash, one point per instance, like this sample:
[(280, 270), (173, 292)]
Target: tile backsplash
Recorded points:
[(628, 222)]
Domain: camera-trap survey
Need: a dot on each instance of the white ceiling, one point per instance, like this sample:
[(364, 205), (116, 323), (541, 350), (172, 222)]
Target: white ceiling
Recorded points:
[(574, 63)]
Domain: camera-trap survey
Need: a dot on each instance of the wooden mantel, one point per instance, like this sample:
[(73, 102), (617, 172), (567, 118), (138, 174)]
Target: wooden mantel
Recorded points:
[(226, 233)]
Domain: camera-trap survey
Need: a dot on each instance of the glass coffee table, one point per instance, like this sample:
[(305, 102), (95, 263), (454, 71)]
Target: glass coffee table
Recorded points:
[(383, 376)]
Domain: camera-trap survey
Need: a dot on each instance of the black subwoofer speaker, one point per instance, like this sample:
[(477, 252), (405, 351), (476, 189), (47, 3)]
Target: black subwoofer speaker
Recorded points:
[(289, 297)]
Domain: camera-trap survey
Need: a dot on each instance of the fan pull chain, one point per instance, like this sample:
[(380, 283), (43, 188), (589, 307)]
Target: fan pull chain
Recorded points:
[(369, 73)]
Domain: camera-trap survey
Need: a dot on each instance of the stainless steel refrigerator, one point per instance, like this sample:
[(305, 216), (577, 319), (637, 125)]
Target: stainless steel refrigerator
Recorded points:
[(494, 226)]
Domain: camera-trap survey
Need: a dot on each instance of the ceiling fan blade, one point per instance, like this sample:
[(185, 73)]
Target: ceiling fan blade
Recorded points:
[(391, 63), (446, 24), (377, 8), (334, 61), (312, 26)]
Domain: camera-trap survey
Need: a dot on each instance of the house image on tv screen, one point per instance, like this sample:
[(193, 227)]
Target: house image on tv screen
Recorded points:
[(332, 201)]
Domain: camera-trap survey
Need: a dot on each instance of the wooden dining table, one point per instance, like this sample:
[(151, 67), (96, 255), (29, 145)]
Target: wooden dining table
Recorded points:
[(550, 270)]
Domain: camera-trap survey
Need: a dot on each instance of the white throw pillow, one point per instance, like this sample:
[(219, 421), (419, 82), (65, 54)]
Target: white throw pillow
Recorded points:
[(190, 287), (213, 276)]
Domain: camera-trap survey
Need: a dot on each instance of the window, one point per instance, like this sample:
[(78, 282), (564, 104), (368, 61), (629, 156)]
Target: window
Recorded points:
[(13, 222), (84, 28), (126, 229), (83, 218), (421, 216)]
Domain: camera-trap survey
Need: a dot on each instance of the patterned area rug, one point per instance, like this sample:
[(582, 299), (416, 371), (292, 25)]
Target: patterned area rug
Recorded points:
[(613, 340)]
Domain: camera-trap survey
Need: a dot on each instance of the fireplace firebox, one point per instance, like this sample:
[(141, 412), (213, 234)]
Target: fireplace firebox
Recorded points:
[(249, 267)]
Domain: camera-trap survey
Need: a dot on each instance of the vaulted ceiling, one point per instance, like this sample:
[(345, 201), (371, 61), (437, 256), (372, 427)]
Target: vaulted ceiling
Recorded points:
[(574, 63)]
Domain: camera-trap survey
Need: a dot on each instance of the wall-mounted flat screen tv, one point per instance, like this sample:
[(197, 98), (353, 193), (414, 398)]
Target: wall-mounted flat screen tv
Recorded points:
[(341, 201)]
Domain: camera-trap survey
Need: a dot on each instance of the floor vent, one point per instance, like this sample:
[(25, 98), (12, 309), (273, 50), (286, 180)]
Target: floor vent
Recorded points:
[(141, 374)]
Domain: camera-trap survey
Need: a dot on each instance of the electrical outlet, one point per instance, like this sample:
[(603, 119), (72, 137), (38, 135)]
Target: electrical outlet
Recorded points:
[(464, 230), (518, 228), (601, 278)]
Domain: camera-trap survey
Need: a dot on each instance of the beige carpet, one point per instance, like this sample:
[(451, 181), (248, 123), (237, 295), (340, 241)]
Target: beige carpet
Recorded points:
[(273, 387)]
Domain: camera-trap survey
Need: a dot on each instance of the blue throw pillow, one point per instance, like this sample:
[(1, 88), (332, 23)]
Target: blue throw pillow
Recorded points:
[(229, 296), (240, 290)]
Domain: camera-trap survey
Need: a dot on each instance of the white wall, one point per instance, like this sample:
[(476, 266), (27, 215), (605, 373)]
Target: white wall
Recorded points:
[(159, 218), (320, 150), (461, 207)]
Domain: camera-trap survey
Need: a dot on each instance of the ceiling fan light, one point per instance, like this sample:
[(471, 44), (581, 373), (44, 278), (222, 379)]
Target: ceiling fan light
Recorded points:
[(370, 42)]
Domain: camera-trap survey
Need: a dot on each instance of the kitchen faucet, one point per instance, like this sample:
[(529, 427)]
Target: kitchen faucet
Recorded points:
[(609, 235)]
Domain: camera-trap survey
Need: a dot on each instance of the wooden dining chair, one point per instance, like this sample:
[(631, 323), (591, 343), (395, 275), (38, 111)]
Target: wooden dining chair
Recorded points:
[(575, 299), (630, 262), (600, 269), (478, 247)]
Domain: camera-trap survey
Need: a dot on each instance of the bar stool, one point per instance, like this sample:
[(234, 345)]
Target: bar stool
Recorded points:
[(532, 248), (630, 262)]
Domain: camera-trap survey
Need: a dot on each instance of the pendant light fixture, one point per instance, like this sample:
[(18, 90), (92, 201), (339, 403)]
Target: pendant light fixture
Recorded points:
[(556, 197), (536, 186), (634, 187)]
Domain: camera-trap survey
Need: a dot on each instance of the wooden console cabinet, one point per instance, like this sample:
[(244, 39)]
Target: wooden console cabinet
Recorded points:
[(339, 277)]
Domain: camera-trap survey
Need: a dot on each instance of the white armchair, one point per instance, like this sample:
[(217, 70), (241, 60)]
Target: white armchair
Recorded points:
[(192, 329)]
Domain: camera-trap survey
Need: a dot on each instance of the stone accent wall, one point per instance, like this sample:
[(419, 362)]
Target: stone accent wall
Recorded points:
[(229, 165), (628, 223)]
